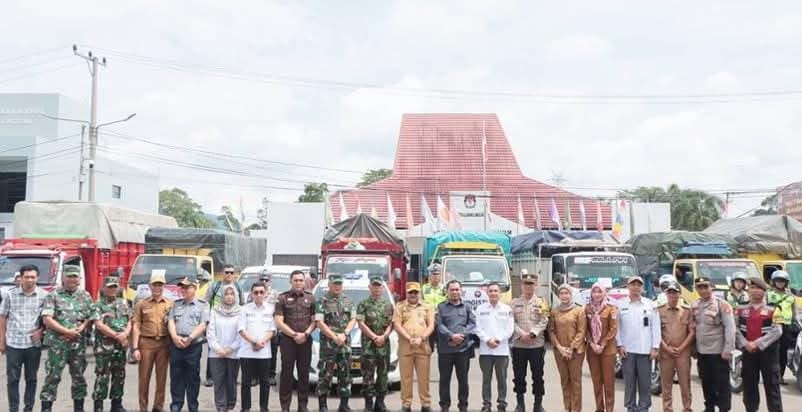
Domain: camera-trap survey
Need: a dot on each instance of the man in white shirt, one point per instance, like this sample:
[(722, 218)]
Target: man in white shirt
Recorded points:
[(256, 327), (494, 327), (638, 340)]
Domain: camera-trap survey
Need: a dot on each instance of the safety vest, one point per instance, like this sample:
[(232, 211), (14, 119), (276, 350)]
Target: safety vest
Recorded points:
[(433, 296), (737, 300), (785, 302), (755, 323)]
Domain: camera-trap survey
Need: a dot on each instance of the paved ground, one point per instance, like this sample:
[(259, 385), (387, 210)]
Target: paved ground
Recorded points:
[(553, 400)]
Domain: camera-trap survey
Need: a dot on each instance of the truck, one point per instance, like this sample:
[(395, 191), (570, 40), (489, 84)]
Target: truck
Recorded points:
[(473, 258), (99, 239), (364, 245), (180, 252)]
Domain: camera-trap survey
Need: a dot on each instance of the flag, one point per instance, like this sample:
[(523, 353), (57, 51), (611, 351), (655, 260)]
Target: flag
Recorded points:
[(484, 147), (329, 214), (488, 219), (569, 223), (554, 215), (358, 207), (521, 219), (428, 218), (343, 210), (443, 215), (410, 218), (391, 217), (373, 212), (599, 221), (618, 224), (538, 224), (456, 221), (582, 219)]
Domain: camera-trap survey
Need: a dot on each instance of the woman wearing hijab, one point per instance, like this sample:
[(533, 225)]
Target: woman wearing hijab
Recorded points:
[(602, 320), (224, 340), (567, 333)]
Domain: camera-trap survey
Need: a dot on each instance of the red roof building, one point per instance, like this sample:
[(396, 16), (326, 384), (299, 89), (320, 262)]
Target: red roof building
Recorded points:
[(442, 153)]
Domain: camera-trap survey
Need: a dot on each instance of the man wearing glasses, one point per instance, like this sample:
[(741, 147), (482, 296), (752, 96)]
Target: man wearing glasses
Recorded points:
[(715, 341), (256, 327), (214, 295), (186, 324)]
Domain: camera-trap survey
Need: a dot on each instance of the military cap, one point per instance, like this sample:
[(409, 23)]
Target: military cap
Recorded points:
[(335, 278), (187, 281), (111, 281), (72, 270), (633, 279), (157, 278), (376, 278), (703, 281), (759, 283)]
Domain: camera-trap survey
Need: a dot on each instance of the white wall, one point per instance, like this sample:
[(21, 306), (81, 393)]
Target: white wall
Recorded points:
[(294, 228)]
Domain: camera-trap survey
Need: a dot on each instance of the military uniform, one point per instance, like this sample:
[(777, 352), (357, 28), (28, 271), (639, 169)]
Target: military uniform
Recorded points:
[(676, 326), (376, 315), (336, 312), (109, 353), (70, 309), (531, 318)]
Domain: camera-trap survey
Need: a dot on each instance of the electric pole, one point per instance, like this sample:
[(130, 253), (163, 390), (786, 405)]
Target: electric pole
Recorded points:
[(93, 62), (81, 167)]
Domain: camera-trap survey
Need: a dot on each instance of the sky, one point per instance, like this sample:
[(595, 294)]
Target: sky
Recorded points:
[(606, 95)]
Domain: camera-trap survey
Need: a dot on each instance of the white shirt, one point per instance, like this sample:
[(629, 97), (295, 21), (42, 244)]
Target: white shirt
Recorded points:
[(494, 322), (633, 334), (223, 333), (257, 321)]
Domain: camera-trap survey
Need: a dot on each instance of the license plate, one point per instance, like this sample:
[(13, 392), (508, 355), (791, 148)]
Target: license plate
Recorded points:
[(356, 365)]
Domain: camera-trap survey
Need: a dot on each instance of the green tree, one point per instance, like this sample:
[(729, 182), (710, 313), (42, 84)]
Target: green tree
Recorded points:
[(228, 219), (767, 207), (690, 209), (313, 192), (374, 175), (261, 217), (188, 213)]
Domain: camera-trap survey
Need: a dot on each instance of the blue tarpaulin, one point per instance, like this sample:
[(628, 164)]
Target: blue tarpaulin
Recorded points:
[(501, 239), (529, 242)]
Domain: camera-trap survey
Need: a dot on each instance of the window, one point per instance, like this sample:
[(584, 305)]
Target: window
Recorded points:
[(116, 192)]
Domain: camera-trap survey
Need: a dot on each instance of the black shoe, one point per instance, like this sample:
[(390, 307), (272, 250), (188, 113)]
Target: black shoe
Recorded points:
[(425, 409), (368, 404), (520, 405), (208, 383), (117, 405), (78, 405), (323, 404), (538, 404), (303, 408), (47, 406), (485, 409), (344, 405), (379, 406), (408, 409), (98, 405)]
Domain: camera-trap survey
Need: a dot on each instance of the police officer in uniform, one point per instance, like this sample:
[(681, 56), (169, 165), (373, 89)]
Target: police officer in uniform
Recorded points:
[(531, 314), (432, 291), (675, 349), (295, 318), (334, 314), (715, 341), (375, 318), (782, 297), (186, 324), (67, 313), (759, 329), (112, 329), (738, 294)]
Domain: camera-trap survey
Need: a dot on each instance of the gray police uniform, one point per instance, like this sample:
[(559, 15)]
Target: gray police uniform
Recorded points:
[(185, 363), (715, 334)]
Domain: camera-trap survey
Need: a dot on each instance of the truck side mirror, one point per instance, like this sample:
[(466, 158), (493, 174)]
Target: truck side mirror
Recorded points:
[(397, 274), (559, 278), (313, 274)]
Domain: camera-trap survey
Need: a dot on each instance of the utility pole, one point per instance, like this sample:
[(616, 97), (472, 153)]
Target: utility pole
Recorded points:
[(81, 167), (93, 62)]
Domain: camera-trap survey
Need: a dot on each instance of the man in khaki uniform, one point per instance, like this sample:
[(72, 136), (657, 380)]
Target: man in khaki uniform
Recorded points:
[(414, 323), (151, 342), (677, 331)]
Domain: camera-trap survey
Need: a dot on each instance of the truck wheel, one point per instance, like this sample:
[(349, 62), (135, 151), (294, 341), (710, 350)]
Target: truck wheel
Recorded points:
[(619, 370), (655, 386), (799, 378)]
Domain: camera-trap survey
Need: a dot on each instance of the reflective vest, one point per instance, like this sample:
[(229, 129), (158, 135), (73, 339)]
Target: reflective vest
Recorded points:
[(433, 296), (785, 302)]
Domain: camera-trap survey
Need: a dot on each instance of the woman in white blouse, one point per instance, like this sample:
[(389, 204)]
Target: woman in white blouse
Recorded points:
[(224, 341)]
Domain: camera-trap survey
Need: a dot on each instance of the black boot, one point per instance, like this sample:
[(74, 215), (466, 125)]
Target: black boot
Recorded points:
[(379, 406), (117, 405), (78, 405), (538, 404), (47, 406), (344, 405), (98, 405), (519, 403), (368, 404), (323, 405)]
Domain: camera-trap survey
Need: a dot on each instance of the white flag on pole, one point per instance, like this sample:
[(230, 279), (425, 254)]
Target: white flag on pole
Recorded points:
[(391, 217), (443, 215), (428, 218), (343, 210)]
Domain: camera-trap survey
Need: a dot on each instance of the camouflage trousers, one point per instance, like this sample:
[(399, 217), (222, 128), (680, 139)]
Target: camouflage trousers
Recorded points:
[(109, 366), (60, 354), (374, 373), (331, 364)]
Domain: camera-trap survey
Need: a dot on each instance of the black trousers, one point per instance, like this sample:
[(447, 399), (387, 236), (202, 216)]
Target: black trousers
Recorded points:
[(765, 363), (521, 358), (715, 374), (294, 356), (255, 368), (787, 340), (448, 362), (16, 359), (185, 376), (274, 360)]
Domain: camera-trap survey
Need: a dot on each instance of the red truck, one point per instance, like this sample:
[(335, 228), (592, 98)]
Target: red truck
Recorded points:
[(363, 244), (100, 239)]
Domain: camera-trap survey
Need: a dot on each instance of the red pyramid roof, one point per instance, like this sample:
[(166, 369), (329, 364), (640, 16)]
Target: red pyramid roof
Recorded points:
[(442, 153)]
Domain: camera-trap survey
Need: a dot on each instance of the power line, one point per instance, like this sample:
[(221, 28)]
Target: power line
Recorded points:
[(57, 139), (49, 70), (28, 55)]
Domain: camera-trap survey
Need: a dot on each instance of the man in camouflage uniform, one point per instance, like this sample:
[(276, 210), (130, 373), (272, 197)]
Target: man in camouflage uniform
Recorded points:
[(375, 318), (112, 329), (66, 313), (334, 315)]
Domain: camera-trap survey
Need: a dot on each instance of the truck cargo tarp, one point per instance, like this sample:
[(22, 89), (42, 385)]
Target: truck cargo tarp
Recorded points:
[(227, 247), (362, 226), (529, 242), (107, 224), (651, 248), (439, 238), (763, 234)]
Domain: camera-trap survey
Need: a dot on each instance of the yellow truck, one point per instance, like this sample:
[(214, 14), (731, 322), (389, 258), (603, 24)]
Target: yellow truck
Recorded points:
[(720, 272)]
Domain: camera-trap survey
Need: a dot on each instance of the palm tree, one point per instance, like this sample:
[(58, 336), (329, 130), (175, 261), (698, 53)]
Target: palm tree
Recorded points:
[(692, 210)]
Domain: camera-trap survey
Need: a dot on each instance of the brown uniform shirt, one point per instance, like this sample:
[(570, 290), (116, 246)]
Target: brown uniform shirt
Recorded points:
[(415, 319), (675, 324), (298, 309), (609, 322), (151, 316), (568, 328)]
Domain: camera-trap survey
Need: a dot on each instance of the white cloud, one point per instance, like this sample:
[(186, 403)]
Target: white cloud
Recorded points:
[(576, 47)]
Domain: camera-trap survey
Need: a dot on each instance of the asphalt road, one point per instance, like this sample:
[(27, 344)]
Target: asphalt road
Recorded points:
[(552, 402)]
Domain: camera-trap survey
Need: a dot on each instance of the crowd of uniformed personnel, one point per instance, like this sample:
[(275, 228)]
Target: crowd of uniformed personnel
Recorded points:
[(164, 335)]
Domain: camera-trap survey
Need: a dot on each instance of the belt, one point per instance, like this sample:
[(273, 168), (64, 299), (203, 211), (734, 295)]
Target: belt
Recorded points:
[(157, 338)]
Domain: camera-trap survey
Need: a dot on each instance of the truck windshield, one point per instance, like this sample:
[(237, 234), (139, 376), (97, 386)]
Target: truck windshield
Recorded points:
[(9, 266), (342, 265), (610, 270), (173, 267), (720, 272), (795, 271), (470, 270)]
